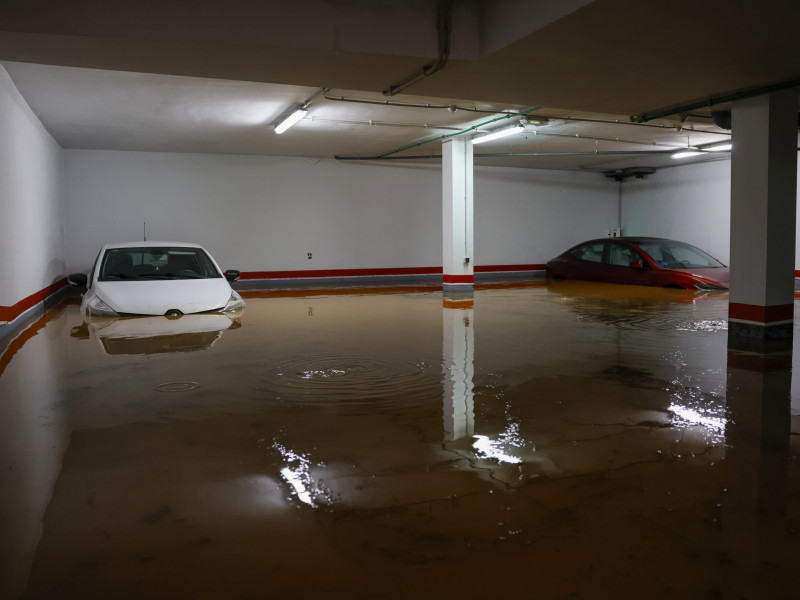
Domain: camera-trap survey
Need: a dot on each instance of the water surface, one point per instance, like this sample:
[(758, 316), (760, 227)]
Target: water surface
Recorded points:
[(553, 441)]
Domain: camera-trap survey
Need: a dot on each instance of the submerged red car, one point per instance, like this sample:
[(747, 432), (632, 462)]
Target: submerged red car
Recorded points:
[(641, 261)]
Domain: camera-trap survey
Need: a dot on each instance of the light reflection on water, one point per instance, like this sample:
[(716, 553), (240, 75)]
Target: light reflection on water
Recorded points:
[(377, 445)]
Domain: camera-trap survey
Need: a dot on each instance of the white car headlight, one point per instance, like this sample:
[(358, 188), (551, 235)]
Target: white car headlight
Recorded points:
[(95, 307), (235, 302)]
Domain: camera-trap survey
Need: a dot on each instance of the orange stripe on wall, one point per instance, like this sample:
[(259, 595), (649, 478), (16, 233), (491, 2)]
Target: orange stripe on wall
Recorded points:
[(9, 313), (761, 314)]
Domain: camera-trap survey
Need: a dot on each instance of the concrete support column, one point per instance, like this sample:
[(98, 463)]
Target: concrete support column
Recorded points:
[(763, 198), (457, 213)]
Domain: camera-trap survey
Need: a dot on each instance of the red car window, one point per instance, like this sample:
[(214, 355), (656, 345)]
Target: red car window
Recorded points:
[(589, 252), (621, 255)]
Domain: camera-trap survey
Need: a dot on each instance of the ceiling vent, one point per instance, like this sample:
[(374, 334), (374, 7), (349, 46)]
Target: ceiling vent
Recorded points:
[(623, 174), (721, 118)]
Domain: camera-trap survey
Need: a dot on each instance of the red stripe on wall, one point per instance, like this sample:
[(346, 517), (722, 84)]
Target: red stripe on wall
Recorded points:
[(507, 268), (9, 313), (761, 314), (458, 279), (340, 273)]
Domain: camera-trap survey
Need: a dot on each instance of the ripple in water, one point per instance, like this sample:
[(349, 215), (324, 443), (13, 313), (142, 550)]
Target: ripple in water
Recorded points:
[(353, 379), (177, 386)]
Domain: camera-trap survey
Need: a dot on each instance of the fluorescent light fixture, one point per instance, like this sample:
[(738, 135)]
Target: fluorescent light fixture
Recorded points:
[(290, 120), (687, 153), (723, 147), (496, 135)]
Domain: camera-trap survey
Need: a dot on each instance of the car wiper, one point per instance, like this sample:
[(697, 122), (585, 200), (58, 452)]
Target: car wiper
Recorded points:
[(120, 276), (184, 276)]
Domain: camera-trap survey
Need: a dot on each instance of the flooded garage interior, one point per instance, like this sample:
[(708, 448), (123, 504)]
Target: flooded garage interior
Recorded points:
[(553, 440)]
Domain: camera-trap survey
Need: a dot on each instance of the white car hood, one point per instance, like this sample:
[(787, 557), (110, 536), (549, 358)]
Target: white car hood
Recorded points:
[(157, 296)]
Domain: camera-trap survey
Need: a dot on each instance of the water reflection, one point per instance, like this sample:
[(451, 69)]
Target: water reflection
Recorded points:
[(759, 510), (153, 335), (298, 474), (458, 343), (380, 443)]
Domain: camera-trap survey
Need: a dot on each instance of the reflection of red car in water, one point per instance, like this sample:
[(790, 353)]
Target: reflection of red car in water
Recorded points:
[(641, 261)]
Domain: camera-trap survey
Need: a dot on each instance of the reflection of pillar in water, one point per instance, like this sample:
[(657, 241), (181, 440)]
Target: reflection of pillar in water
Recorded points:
[(458, 355), (757, 440)]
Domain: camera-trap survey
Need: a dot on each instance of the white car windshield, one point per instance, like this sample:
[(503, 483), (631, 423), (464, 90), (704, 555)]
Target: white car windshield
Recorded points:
[(669, 254), (171, 262)]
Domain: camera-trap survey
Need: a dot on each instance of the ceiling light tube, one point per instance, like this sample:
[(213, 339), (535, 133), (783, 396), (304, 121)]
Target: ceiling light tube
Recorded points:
[(722, 147), (290, 120), (687, 153), (499, 134)]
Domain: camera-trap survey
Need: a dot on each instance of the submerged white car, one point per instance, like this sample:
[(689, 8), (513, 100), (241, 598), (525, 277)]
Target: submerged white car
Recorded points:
[(156, 278)]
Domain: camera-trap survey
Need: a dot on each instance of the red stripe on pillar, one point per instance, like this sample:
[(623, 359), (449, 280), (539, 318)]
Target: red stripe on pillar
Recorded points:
[(458, 279), (761, 314)]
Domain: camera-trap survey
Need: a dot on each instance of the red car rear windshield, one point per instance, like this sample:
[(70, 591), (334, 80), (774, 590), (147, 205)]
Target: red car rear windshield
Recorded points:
[(669, 254)]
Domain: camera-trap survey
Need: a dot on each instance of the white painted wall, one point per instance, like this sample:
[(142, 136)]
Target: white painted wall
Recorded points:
[(266, 213), (256, 213), (528, 216), (31, 214), (688, 203)]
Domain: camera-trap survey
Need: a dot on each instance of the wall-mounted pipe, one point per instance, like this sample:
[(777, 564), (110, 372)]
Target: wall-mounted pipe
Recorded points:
[(443, 26)]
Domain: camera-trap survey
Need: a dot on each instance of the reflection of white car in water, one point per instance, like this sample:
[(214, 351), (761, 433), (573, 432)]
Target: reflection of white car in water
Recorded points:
[(156, 335), (156, 278)]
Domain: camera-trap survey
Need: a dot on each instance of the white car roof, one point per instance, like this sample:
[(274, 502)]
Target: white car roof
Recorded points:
[(150, 244)]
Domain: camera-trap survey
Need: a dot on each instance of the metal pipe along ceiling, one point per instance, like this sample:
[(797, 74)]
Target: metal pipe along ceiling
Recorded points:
[(714, 100), (513, 154), (443, 25)]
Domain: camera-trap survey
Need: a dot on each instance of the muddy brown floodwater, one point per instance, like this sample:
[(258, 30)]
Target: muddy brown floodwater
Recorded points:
[(535, 441)]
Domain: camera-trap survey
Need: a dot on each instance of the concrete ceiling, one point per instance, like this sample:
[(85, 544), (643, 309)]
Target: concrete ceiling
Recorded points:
[(180, 76)]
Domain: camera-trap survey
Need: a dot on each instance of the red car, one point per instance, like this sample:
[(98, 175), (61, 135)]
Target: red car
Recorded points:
[(641, 261)]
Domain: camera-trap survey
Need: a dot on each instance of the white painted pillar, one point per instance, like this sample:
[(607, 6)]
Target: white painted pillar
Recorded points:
[(763, 198), (458, 347), (457, 215)]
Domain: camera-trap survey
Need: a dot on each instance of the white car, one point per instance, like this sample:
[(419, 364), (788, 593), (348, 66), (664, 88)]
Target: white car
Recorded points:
[(156, 278)]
